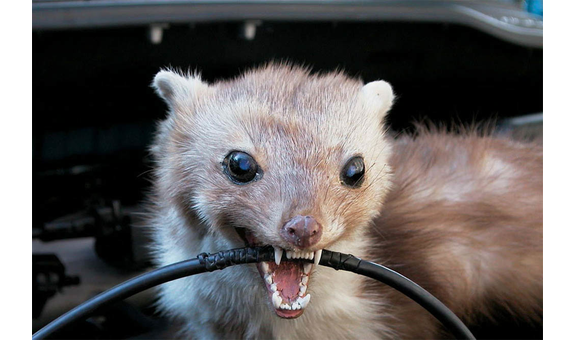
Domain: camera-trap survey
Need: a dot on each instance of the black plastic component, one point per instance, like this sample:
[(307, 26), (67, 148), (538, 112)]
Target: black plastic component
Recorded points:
[(48, 278)]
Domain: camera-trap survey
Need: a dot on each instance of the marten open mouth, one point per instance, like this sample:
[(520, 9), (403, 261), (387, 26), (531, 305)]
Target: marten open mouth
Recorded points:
[(286, 281)]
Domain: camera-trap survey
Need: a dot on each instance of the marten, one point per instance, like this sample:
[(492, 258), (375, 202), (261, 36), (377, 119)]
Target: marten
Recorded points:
[(304, 162)]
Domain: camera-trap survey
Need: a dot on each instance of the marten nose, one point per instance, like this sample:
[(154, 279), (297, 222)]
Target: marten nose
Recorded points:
[(302, 231)]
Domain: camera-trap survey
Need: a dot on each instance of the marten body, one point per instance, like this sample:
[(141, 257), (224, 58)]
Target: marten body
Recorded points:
[(302, 162)]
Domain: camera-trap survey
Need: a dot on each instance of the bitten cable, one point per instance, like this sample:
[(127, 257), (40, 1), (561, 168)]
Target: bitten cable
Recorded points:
[(217, 261)]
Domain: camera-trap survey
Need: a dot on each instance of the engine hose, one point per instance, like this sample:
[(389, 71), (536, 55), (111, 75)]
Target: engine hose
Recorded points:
[(211, 262)]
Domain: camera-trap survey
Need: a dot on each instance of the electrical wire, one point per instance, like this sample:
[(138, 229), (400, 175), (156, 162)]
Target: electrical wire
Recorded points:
[(211, 262)]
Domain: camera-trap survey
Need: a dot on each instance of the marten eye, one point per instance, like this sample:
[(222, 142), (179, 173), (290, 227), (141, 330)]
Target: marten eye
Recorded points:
[(353, 172), (241, 168)]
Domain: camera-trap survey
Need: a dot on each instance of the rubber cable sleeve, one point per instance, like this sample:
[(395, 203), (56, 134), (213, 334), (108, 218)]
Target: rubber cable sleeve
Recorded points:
[(350, 263), (211, 262), (203, 263)]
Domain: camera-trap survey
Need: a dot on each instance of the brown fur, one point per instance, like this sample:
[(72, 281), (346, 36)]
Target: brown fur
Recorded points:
[(464, 220)]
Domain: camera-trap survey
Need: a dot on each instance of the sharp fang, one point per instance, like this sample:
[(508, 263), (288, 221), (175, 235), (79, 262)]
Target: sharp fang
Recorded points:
[(276, 300), (307, 268), (304, 301), (278, 255), (317, 257)]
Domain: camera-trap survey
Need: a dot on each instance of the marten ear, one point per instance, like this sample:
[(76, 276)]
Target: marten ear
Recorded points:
[(377, 97), (179, 91)]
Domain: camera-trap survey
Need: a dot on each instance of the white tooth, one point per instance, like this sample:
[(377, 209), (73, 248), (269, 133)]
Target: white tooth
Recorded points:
[(304, 301), (317, 257), (310, 255), (265, 267), (285, 306), (276, 300), (278, 254), (295, 305), (304, 279), (302, 290), (269, 279), (307, 268), (274, 287), (294, 255)]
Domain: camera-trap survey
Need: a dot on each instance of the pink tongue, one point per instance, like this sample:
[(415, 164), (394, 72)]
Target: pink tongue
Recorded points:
[(287, 277)]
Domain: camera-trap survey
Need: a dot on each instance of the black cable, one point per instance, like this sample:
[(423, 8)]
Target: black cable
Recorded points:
[(201, 264), (350, 263), (211, 262)]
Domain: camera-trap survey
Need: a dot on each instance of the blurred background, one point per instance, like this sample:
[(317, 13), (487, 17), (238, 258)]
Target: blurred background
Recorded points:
[(94, 112)]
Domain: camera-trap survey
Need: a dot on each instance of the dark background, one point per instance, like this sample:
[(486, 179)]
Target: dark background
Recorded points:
[(94, 111)]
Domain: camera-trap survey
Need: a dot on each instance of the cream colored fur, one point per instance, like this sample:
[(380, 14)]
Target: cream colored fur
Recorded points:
[(301, 129)]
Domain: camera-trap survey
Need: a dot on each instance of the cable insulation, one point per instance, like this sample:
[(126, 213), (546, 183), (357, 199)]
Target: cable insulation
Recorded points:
[(211, 262)]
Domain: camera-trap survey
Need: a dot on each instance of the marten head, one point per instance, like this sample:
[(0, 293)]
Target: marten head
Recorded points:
[(275, 157)]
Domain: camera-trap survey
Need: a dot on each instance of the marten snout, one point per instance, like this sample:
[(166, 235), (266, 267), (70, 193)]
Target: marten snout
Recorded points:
[(302, 231)]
